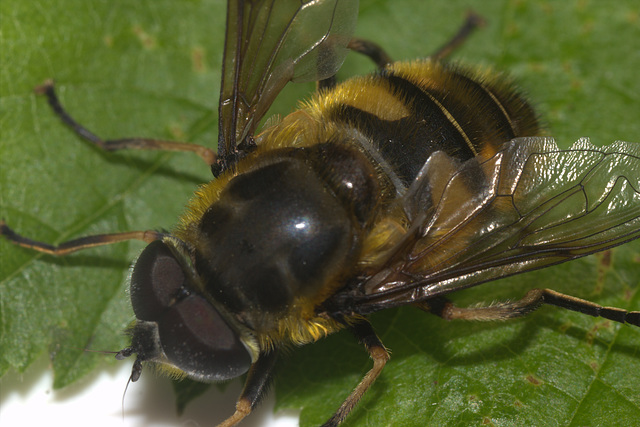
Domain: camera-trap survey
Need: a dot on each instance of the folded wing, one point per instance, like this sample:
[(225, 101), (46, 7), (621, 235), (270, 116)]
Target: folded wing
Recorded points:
[(269, 43), (529, 206)]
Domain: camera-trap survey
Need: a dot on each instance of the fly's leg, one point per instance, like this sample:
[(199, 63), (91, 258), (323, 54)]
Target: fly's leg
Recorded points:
[(380, 57), (366, 47), (472, 22), (372, 50), (255, 388), (148, 236), (365, 334), (47, 89), (260, 375), (71, 246), (531, 301)]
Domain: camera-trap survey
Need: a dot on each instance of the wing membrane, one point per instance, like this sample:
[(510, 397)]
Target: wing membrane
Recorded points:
[(529, 206), (269, 43)]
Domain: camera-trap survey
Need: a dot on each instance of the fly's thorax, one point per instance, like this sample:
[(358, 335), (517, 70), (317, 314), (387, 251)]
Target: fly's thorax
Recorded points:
[(284, 232)]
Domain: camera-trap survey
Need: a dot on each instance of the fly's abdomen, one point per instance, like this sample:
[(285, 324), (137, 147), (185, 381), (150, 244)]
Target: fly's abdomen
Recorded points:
[(410, 110)]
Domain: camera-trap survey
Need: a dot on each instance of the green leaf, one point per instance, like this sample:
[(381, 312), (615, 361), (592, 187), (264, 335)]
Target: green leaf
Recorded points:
[(123, 70), (152, 69)]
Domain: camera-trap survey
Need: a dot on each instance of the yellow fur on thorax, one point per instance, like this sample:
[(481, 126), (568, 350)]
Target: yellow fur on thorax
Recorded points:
[(298, 330)]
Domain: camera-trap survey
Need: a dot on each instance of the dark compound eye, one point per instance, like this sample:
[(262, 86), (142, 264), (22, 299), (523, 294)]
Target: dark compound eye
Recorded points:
[(196, 339), (156, 280), (183, 326)]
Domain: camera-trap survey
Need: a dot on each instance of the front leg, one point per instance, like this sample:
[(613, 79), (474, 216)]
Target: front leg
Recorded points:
[(48, 89), (255, 387), (365, 334)]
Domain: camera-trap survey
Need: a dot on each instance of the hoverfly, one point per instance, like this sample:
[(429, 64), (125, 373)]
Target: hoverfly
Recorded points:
[(414, 209)]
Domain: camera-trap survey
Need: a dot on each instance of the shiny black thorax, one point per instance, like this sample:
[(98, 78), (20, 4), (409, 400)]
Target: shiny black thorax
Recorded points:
[(284, 230)]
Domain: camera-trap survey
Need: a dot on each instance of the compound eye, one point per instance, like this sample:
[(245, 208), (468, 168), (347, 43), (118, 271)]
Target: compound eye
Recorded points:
[(155, 282), (197, 340)]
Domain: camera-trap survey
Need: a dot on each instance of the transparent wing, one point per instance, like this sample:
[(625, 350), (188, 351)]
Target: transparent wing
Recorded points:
[(529, 206), (269, 43)]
